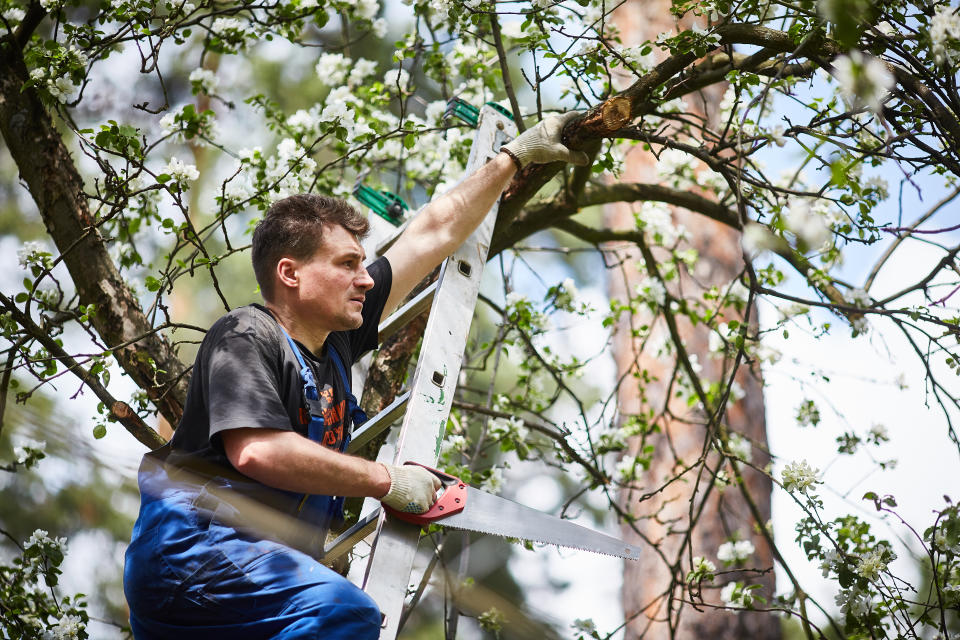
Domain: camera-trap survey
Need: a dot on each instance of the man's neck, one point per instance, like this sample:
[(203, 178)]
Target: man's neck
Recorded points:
[(302, 332)]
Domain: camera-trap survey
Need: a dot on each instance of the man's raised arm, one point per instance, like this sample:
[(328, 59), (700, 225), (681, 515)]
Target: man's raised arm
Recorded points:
[(448, 220)]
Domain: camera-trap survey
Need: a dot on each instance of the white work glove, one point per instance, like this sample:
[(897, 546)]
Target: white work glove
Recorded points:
[(541, 144), (413, 489)]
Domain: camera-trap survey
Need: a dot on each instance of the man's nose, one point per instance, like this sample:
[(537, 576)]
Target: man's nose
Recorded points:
[(364, 281)]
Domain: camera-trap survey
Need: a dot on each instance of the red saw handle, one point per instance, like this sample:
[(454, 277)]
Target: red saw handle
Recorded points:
[(451, 501)]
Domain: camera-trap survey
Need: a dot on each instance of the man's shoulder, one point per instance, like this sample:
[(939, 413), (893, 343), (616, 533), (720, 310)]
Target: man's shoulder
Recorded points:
[(251, 320)]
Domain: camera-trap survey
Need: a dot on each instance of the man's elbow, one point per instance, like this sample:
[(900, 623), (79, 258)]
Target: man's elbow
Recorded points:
[(248, 454)]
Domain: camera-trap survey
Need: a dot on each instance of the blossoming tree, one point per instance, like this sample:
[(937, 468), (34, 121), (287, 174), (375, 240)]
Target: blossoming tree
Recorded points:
[(148, 138)]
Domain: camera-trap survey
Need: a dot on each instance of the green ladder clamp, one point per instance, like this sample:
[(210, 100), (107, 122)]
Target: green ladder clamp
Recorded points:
[(468, 113), (383, 203), (391, 207)]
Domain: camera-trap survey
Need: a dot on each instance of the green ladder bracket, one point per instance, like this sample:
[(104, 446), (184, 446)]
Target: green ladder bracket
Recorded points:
[(468, 113), (383, 203)]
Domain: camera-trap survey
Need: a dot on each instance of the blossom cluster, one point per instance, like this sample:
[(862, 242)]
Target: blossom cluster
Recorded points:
[(799, 477), (735, 551)]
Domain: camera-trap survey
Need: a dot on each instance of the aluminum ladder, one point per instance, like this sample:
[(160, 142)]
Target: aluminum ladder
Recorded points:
[(426, 405)]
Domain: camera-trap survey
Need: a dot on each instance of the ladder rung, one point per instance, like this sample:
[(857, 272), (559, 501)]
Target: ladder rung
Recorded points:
[(399, 318), (349, 538), (378, 423)]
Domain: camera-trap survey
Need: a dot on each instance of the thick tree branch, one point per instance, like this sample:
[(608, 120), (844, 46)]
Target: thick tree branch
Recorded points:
[(51, 176), (119, 410)]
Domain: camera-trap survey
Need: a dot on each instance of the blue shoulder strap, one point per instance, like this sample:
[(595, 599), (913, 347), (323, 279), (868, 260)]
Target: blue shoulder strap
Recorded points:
[(310, 390), (357, 415)]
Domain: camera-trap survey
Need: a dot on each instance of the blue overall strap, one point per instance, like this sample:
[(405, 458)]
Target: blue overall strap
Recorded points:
[(310, 391), (357, 415)]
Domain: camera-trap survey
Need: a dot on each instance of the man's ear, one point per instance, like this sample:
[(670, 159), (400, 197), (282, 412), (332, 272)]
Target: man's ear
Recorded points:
[(288, 273)]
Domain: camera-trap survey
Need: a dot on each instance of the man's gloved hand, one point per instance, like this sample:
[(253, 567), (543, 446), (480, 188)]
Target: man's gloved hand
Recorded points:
[(413, 489), (541, 144)]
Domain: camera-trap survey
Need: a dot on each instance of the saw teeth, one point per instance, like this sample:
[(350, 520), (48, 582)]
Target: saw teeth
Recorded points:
[(522, 540)]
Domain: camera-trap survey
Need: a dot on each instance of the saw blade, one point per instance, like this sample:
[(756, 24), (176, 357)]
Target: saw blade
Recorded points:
[(487, 513)]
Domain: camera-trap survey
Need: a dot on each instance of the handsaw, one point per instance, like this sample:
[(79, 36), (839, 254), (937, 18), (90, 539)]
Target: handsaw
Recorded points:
[(464, 507)]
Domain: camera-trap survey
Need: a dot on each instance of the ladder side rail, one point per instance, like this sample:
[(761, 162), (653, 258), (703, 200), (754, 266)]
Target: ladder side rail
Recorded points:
[(434, 384)]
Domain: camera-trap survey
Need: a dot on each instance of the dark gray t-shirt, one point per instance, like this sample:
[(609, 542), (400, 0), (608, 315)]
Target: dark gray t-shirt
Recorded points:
[(246, 375)]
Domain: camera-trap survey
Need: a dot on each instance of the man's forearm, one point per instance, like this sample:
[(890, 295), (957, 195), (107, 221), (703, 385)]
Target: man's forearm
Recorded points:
[(444, 224), (287, 460), (460, 210)]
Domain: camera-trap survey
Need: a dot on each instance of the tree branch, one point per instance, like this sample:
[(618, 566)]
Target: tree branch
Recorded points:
[(119, 410), (48, 170)]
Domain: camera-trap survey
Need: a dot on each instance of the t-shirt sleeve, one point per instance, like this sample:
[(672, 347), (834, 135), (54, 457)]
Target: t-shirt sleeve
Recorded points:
[(365, 338), (243, 384)]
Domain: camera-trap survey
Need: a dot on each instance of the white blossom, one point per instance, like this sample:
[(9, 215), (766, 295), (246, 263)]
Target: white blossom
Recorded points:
[(756, 238), (179, 171), (806, 223), (657, 221), (40, 537), (626, 468), (27, 253), (733, 552), (206, 79), (238, 190), (702, 569), (169, 123), (332, 68), (831, 562), (394, 77), (494, 482), (367, 9), (739, 447), (304, 122), (186, 8), (50, 5), (453, 444), (67, 627), (14, 15), (63, 89), (441, 7), (864, 80), (361, 70), (676, 168), (799, 477), (878, 184), (512, 428), (944, 34), (584, 626), (379, 27), (512, 29), (227, 27), (639, 61), (860, 325), (874, 562), (566, 296), (853, 602), (858, 297), (28, 448), (653, 291), (878, 433), (734, 595)]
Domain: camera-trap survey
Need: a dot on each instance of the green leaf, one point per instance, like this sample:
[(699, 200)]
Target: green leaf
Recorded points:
[(99, 431)]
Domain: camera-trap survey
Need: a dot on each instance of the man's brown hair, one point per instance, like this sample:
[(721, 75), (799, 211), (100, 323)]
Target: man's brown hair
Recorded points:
[(293, 228)]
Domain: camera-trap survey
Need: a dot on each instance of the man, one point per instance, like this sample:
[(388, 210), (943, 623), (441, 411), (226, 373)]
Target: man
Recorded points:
[(267, 418)]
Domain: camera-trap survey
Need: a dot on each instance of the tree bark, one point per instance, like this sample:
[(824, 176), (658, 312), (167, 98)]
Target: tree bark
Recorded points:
[(52, 178), (653, 587)]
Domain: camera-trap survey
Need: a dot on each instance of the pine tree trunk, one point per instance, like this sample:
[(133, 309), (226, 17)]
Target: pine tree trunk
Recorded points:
[(687, 518)]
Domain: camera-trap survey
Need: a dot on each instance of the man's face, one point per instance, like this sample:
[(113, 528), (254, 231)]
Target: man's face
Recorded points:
[(334, 282)]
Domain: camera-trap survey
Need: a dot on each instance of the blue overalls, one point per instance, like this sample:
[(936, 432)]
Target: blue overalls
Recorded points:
[(190, 576)]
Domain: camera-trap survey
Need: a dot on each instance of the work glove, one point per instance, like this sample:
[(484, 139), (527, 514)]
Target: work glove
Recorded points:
[(413, 489), (541, 144)]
